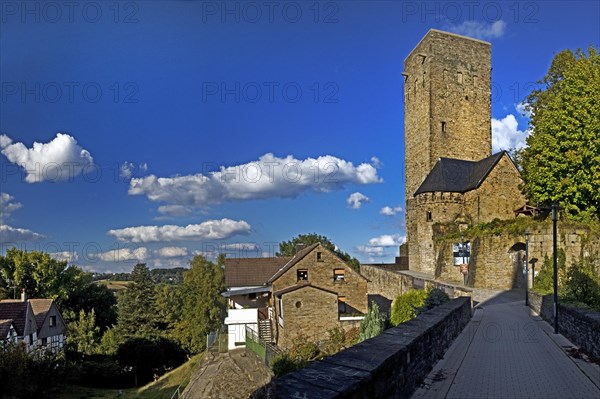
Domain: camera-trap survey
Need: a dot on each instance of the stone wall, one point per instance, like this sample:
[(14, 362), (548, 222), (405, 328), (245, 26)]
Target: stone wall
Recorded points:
[(390, 365), (580, 326), (309, 312), (386, 283), (320, 274)]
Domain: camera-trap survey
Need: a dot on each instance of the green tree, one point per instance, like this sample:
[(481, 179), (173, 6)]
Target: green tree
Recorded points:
[(406, 306), (83, 334), (203, 307), (372, 325), (562, 159), (288, 248), (136, 306), (168, 306)]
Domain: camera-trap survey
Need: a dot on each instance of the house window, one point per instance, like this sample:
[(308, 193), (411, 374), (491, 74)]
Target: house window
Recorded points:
[(252, 296), (298, 304), (443, 127), (44, 341), (280, 314), (341, 304), (52, 321), (319, 257), (338, 275), (429, 216), (302, 275), (30, 339)]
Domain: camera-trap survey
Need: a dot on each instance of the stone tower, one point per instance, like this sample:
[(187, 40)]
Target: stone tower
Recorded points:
[(447, 114)]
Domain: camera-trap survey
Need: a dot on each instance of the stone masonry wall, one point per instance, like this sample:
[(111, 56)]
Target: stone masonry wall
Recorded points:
[(320, 274), (580, 326), (309, 312), (390, 365), (498, 196)]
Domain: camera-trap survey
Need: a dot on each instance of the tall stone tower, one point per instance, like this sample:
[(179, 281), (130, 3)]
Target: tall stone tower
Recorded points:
[(447, 113)]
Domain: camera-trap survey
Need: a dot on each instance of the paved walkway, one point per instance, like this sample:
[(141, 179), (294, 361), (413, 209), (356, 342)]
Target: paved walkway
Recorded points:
[(506, 351)]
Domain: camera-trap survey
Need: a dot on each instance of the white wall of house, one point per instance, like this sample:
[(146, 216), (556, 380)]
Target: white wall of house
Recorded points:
[(236, 321)]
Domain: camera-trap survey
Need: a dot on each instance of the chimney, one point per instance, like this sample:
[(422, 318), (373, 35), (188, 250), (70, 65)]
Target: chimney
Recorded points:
[(300, 247), (23, 295)]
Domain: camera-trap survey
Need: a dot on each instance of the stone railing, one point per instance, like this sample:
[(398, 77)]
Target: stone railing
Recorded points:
[(580, 326), (389, 365)]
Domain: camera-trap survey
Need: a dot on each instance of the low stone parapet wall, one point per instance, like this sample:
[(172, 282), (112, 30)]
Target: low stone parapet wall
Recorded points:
[(390, 365), (581, 326)]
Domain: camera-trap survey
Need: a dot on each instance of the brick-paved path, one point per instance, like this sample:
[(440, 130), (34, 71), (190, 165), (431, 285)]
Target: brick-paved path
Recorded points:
[(508, 352)]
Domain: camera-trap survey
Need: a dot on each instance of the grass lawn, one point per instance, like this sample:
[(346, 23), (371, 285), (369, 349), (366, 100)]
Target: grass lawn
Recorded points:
[(163, 388), (114, 285)]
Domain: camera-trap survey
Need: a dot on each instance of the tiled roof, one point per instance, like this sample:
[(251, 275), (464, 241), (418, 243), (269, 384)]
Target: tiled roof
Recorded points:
[(299, 255), (458, 176), (248, 272), (15, 310), (40, 309), (5, 327)]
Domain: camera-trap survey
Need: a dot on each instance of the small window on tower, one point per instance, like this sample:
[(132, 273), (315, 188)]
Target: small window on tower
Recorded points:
[(443, 127), (429, 216), (459, 76), (319, 257)]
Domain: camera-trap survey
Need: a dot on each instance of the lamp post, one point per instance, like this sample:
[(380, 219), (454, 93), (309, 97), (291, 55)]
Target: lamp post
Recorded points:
[(526, 271)]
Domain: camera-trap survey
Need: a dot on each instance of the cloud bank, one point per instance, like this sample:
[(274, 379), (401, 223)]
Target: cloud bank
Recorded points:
[(506, 134), (268, 177), (355, 200), (60, 159), (208, 230)]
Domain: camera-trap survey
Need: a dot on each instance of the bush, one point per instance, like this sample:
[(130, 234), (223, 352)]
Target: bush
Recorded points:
[(406, 306), (435, 298), (544, 282), (284, 363), (372, 325), (583, 283)]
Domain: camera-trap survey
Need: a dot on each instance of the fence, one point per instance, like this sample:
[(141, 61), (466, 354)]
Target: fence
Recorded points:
[(264, 350), (219, 338)]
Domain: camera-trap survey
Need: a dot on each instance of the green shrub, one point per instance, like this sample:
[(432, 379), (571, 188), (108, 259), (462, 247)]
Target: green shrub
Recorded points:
[(406, 306), (372, 325), (583, 283), (435, 298), (544, 282), (284, 363)]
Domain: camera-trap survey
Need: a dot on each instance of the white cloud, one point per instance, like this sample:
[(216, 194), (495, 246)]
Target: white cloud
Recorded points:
[(175, 210), (522, 109), (506, 135), (355, 200), (387, 240), (376, 162), (60, 159), (480, 30), (268, 177), (65, 255), (7, 205), (240, 246), (389, 211), (208, 230), (10, 234), (125, 254), (127, 170), (172, 252), (371, 250)]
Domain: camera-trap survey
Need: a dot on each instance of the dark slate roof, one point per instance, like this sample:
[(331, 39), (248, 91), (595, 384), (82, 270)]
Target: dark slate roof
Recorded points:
[(458, 176), (15, 310), (249, 272), (299, 256), (299, 287), (5, 327)]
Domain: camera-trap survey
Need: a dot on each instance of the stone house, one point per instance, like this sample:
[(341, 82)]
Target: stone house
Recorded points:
[(315, 292), (36, 322), (283, 297), (451, 175)]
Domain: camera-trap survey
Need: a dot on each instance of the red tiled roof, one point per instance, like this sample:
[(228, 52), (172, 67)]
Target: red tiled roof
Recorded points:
[(248, 272), (15, 310)]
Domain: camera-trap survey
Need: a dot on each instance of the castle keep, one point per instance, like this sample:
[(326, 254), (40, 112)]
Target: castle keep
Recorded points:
[(451, 175)]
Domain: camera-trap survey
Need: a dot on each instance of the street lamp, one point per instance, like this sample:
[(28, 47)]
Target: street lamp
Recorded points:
[(526, 269)]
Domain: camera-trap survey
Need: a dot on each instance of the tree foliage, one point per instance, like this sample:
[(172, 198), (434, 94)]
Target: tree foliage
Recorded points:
[(372, 325), (406, 306), (203, 307), (288, 248), (137, 310), (562, 160), (83, 334)]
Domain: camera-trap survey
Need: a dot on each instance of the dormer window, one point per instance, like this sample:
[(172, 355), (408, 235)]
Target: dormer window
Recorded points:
[(302, 275)]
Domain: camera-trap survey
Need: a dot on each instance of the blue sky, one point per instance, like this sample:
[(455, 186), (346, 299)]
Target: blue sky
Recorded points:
[(170, 128)]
